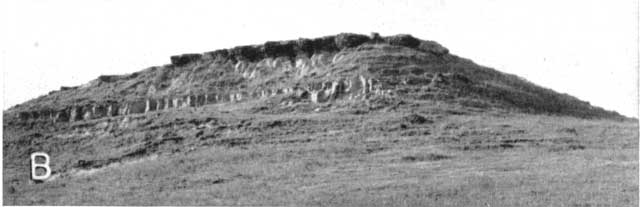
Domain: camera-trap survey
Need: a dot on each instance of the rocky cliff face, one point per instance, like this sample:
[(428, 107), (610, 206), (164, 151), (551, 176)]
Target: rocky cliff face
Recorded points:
[(344, 67)]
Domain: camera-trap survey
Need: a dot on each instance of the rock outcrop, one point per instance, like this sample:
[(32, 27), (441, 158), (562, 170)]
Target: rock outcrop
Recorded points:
[(306, 48), (355, 88)]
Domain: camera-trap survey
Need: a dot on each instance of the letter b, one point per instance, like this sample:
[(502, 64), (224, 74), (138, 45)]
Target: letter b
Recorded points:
[(35, 166)]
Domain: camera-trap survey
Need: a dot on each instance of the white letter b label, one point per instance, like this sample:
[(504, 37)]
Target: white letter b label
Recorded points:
[(44, 166)]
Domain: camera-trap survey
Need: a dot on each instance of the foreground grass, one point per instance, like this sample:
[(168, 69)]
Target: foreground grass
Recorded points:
[(459, 160)]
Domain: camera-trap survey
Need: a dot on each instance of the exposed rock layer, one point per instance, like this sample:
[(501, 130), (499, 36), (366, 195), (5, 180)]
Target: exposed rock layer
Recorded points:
[(351, 89), (307, 47)]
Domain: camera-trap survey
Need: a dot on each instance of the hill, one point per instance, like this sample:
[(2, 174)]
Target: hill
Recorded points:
[(348, 120)]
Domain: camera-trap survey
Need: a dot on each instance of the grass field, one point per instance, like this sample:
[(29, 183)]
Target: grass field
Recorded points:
[(419, 157)]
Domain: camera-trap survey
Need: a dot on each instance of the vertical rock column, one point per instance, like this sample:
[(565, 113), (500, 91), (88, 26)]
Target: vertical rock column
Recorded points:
[(99, 111), (73, 114), (150, 105), (176, 102), (364, 86), (314, 96), (168, 103), (160, 104), (335, 90), (356, 88), (123, 109), (61, 116), (112, 109), (232, 97), (87, 113), (200, 100), (186, 102)]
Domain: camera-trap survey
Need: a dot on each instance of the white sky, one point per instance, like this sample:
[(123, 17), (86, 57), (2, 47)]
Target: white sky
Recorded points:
[(584, 48)]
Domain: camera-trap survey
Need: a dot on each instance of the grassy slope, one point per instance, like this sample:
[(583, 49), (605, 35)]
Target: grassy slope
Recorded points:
[(228, 156)]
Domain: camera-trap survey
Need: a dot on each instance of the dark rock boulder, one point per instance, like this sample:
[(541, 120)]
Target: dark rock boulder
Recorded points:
[(280, 49), (403, 40), (184, 59), (324, 44), (247, 53)]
